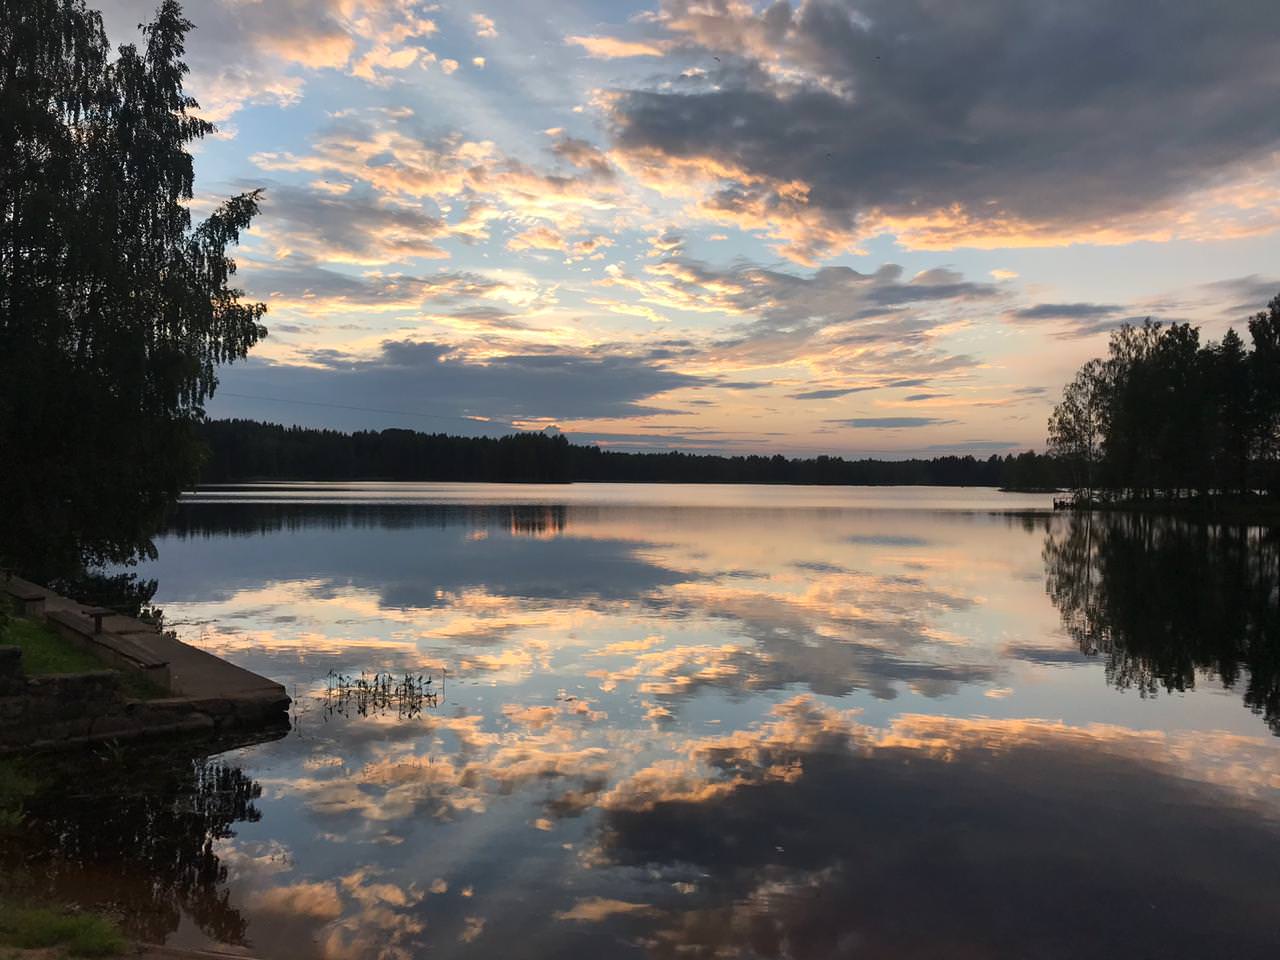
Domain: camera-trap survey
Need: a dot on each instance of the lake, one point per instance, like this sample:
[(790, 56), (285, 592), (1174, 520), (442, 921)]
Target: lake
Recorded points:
[(702, 721)]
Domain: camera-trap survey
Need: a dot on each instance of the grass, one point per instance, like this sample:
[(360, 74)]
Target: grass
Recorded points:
[(43, 651), (78, 934)]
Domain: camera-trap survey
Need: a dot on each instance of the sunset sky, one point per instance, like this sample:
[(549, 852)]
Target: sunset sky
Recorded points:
[(873, 227)]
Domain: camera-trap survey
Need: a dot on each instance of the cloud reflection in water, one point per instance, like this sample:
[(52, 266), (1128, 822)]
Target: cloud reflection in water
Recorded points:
[(730, 732)]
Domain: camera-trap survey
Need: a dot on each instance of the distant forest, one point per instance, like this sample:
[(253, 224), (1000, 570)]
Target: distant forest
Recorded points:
[(248, 450)]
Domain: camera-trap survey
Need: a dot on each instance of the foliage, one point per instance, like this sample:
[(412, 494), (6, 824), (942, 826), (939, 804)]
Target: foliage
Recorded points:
[(81, 934), (1164, 415), (1077, 426), (122, 592), (114, 310), (248, 450)]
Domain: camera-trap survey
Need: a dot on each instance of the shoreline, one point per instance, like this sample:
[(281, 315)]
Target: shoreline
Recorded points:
[(1266, 513), (196, 692)]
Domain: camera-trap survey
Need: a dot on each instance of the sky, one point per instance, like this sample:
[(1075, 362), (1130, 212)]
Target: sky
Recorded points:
[(858, 227)]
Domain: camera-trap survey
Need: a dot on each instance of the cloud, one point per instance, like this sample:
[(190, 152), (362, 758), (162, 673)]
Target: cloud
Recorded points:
[(1066, 311), (484, 26), (1003, 124), (1080, 320), (836, 318), (398, 156), (246, 54), (381, 62), (1248, 294), (358, 226), (784, 816), (584, 156), (1081, 330), (318, 900), (890, 423), (537, 238), (597, 909), (829, 394), (300, 282), (612, 48), (436, 379)]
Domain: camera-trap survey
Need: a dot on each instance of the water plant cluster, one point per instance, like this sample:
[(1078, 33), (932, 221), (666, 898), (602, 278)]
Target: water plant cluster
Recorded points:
[(380, 694)]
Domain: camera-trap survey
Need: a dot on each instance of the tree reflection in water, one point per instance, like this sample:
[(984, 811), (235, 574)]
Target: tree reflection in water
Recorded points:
[(135, 835), (1162, 600)]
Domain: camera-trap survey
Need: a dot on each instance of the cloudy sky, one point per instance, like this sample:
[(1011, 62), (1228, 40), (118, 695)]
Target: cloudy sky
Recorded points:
[(851, 226)]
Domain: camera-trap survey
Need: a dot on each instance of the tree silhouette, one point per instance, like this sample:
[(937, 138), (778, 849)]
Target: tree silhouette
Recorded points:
[(1234, 420), (1264, 365), (149, 822), (1163, 415), (114, 310), (1077, 428), (1165, 602)]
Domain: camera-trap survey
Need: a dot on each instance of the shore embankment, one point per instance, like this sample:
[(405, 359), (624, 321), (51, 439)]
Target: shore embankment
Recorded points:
[(150, 684)]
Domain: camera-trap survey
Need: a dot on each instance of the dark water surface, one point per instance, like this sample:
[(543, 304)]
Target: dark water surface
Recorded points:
[(703, 722)]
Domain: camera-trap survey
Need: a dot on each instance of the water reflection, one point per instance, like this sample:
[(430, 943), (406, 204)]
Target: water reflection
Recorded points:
[(1162, 601), (135, 833), (814, 835), (413, 556), (222, 519), (822, 606), (807, 727)]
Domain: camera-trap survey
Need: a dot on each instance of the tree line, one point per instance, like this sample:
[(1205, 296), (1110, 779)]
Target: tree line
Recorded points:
[(1164, 416), (239, 450)]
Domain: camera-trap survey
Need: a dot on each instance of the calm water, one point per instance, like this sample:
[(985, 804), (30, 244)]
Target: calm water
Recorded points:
[(704, 722)]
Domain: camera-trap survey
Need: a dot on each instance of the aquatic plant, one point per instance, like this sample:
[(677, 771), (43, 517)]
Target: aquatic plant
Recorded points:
[(380, 694)]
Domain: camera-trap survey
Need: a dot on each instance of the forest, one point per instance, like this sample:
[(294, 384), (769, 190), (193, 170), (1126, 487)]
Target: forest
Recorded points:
[(1164, 417), (248, 450)]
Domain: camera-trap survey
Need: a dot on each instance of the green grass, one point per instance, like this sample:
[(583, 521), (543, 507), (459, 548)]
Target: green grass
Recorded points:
[(79, 934), (43, 651)]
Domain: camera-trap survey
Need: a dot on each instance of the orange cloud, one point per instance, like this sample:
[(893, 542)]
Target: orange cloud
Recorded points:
[(612, 48)]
